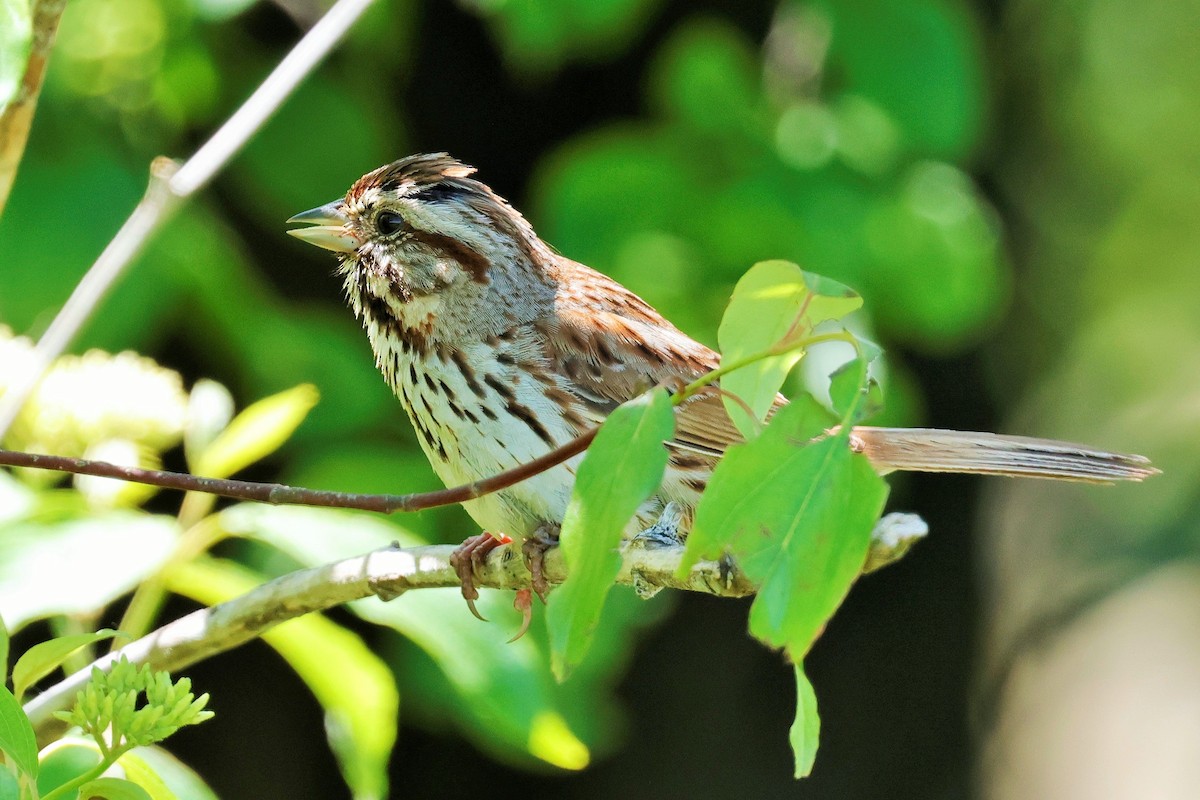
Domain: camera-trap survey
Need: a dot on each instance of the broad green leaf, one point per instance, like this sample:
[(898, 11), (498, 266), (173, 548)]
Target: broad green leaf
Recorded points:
[(796, 514), (16, 36), (113, 789), (220, 10), (45, 657), (163, 776), (94, 561), (3, 652), (9, 788), (65, 760), (508, 697), (806, 729), (853, 392), (537, 35), (354, 687), (256, 432), (16, 736), (773, 302), (622, 467)]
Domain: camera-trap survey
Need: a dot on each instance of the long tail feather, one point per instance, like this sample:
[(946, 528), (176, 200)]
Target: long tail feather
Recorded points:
[(933, 450)]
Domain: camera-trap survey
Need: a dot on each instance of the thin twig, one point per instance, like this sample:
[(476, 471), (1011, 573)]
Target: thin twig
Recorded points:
[(280, 494), (17, 117), (169, 187)]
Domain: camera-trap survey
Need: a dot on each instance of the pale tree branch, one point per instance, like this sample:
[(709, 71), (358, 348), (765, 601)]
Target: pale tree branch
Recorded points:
[(170, 185), (391, 572), (384, 573)]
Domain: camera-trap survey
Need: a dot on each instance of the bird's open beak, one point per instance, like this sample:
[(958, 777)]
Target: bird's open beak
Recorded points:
[(328, 228)]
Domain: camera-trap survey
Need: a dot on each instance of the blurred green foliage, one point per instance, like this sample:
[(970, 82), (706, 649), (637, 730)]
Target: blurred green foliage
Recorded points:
[(841, 135)]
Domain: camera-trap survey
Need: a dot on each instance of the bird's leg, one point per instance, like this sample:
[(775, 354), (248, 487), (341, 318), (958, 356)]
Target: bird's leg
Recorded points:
[(534, 549), (467, 559), (665, 532)]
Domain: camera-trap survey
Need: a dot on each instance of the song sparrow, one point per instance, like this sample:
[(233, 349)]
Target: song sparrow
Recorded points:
[(501, 349)]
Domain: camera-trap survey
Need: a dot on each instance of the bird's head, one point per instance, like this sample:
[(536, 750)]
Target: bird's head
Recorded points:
[(420, 227)]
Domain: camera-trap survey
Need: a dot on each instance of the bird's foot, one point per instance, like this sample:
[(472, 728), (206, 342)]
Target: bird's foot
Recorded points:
[(467, 559), (534, 549), (665, 532)]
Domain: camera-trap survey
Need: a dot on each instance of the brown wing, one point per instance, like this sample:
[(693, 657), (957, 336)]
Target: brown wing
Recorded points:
[(611, 346)]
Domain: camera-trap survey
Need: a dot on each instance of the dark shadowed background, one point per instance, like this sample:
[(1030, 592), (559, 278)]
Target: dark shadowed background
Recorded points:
[(1013, 188)]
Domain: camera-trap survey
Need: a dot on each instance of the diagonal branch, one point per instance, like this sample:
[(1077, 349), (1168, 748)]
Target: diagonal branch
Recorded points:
[(172, 184), (391, 572), (383, 573)]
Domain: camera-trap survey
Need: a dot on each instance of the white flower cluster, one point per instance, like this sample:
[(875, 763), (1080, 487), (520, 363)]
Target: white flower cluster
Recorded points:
[(95, 403)]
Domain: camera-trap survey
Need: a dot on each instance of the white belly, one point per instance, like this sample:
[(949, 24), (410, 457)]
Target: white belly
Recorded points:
[(476, 416)]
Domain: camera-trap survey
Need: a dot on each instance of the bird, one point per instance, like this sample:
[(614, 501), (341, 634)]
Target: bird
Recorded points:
[(500, 350)]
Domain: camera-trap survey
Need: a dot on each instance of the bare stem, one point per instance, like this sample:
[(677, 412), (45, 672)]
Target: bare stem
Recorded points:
[(169, 187), (279, 494)]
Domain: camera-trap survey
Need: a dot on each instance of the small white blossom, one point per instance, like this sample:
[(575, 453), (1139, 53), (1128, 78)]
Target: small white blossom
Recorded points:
[(93, 398)]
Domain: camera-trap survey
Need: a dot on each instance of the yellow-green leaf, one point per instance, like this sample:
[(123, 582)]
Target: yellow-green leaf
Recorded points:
[(113, 789), (354, 687), (163, 776), (773, 304), (256, 432), (796, 511), (43, 658), (3, 652), (622, 467), (806, 729), (16, 737)]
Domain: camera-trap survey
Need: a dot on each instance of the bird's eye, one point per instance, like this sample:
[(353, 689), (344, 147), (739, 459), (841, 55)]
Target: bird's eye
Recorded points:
[(389, 223)]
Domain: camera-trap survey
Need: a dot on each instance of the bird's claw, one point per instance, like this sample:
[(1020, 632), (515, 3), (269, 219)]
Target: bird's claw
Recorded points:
[(468, 558), (523, 602)]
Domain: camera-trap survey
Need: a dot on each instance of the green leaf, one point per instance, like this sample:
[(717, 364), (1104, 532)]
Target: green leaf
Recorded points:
[(256, 432), (16, 36), (220, 10), (65, 760), (93, 562), (507, 694), (4, 642), (773, 302), (45, 657), (354, 687), (10, 789), (854, 394), (797, 515), (16, 736), (806, 730), (113, 789), (622, 467), (163, 776)]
